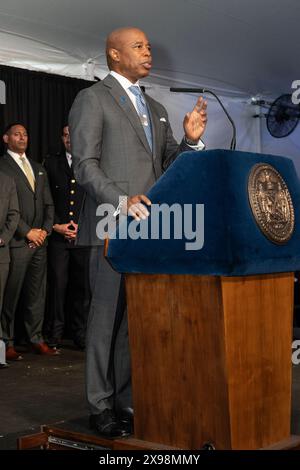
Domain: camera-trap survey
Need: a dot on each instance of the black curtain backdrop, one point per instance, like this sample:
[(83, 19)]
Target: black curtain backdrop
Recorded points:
[(42, 102)]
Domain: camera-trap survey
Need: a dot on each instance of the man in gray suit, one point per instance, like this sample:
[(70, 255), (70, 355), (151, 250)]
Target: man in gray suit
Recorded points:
[(9, 219), (121, 143), (27, 271)]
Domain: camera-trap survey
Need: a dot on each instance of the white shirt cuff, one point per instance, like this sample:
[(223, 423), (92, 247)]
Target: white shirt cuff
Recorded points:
[(121, 204), (198, 146)]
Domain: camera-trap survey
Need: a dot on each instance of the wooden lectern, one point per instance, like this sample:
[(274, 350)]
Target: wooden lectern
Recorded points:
[(211, 331), (211, 359)]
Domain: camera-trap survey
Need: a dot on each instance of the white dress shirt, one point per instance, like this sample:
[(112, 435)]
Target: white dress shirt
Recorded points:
[(69, 159), (125, 83)]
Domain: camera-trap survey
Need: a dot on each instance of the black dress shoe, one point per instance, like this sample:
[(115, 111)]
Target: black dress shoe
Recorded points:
[(79, 343), (107, 425), (125, 416), (54, 342), (3, 365)]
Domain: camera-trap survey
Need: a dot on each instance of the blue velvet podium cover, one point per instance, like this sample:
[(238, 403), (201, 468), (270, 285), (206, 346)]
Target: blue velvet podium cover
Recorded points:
[(234, 245)]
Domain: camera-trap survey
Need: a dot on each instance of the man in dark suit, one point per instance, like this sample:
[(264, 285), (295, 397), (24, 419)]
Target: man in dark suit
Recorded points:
[(27, 271), (68, 263), (9, 219), (121, 143)]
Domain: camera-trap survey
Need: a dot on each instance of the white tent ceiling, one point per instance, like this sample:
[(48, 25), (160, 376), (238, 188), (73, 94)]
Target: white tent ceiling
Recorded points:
[(239, 48), (247, 47)]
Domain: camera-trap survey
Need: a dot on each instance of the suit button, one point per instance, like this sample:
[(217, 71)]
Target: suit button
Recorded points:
[(71, 213), (72, 192), (72, 203), (73, 181)]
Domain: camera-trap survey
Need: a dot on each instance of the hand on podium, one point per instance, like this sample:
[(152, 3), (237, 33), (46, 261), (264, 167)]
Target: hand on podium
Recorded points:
[(134, 206)]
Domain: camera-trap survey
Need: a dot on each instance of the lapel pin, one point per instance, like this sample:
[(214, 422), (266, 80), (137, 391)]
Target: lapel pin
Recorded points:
[(123, 99)]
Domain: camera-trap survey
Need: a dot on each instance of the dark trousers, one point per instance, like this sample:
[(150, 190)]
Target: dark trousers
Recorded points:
[(68, 277), (108, 372), (4, 267), (26, 283)]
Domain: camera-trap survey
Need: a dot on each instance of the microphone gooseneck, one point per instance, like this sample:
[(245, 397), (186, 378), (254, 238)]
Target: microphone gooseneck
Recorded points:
[(205, 90)]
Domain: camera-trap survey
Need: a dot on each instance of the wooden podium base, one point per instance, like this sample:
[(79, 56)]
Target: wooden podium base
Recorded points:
[(211, 359)]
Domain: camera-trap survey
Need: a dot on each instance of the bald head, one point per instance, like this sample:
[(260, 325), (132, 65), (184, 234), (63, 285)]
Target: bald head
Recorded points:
[(116, 38), (128, 52)]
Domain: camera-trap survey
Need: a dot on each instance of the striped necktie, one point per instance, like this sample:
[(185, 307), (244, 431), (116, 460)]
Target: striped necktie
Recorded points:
[(143, 112), (28, 173)]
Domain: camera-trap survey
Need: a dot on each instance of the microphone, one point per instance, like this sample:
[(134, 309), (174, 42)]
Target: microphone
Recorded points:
[(205, 90)]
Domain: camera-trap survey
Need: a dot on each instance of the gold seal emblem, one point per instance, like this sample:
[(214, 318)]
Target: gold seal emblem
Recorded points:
[(271, 203)]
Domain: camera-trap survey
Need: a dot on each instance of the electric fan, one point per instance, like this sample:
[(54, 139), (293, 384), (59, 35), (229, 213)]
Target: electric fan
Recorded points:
[(283, 116)]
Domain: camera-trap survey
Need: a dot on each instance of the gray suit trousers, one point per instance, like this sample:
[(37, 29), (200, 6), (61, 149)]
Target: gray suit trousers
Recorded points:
[(108, 382), (3, 278), (26, 280)]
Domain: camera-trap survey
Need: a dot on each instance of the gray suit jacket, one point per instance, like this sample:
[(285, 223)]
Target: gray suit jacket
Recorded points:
[(36, 208), (9, 214), (111, 155)]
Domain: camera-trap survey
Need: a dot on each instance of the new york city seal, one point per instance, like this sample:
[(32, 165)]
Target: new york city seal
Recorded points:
[(271, 203)]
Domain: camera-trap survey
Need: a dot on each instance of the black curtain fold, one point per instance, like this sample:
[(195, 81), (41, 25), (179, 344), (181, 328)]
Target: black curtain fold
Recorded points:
[(42, 102)]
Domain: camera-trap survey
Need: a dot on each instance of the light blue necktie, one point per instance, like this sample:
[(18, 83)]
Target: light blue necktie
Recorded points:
[(143, 112)]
